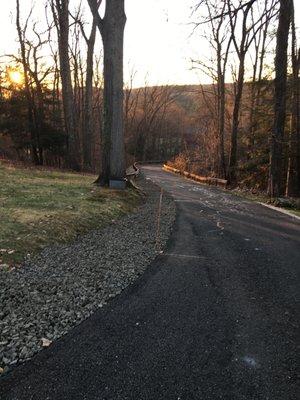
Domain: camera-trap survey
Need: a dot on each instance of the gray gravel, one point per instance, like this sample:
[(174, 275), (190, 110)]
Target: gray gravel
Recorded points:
[(62, 286)]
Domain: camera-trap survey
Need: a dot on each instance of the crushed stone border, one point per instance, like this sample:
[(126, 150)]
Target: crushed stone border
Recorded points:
[(66, 283)]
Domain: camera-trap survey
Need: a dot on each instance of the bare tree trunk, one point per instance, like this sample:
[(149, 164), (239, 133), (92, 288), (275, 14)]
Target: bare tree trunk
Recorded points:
[(280, 84), (111, 28), (61, 18), (293, 174), (236, 121), (39, 116), (88, 101), (262, 57), (253, 93), (113, 38), (248, 34), (260, 39), (220, 41), (221, 107)]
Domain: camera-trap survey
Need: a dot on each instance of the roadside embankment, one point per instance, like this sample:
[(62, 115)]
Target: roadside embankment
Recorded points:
[(66, 283)]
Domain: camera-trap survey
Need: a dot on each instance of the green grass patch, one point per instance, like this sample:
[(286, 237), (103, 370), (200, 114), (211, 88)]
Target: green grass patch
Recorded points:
[(39, 207)]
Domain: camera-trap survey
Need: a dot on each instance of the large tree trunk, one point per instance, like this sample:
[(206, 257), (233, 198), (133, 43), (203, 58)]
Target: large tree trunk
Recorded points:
[(61, 17), (88, 102), (293, 174), (111, 28), (280, 84), (113, 39)]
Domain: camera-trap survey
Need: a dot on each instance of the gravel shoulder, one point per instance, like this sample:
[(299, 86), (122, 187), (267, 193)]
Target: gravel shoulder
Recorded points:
[(65, 284)]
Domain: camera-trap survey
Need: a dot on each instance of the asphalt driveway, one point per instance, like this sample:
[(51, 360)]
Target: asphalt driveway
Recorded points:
[(214, 316)]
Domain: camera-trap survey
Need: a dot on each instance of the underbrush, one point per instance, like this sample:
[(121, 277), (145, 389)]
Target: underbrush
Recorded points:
[(252, 180)]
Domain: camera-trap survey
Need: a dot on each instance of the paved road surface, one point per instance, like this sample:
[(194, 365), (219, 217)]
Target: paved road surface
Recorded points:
[(214, 317)]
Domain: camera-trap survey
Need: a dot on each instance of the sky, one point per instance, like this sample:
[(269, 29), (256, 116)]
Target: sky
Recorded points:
[(158, 41)]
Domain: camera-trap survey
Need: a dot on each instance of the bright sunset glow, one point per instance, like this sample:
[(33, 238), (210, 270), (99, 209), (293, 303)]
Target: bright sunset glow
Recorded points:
[(15, 77)]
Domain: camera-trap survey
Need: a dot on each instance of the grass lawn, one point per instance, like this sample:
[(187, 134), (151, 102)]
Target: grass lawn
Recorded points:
[(39, 207)]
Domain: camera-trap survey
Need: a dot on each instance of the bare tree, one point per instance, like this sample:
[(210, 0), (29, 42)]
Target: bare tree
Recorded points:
[(220, 42), (111, 28), (153, 104), (88, 98), (241, 48), (293, 174), (35, 72), (131, 100), (88, 125), (30, 105), (60, 10), (259, 49), (280, 86)]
